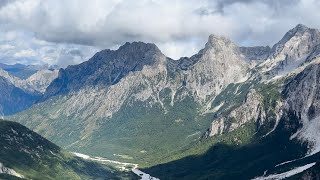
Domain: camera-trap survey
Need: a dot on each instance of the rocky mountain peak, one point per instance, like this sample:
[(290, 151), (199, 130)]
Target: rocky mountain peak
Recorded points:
[(296, 43), (216, 49), (297, 46), (300, 28), (139, 46), (135, 52), (107, 67), (297, 31), (219, 42), (220, 49)]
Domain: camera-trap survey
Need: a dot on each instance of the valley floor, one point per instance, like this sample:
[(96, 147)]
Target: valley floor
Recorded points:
[(121, 165)]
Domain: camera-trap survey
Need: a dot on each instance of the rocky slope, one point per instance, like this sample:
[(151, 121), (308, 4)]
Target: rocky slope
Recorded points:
[(302, 98), (251, 109), (27, 155), (134, 103)]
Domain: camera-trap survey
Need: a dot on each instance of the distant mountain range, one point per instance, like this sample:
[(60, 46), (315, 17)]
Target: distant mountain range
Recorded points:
[(25, 71), (227, 112), (17, 93)]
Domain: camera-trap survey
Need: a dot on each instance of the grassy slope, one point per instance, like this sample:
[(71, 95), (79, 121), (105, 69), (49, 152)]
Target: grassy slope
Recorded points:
[(226, 160), (132, 129), (36, 158), (150, 135), (142, 134)]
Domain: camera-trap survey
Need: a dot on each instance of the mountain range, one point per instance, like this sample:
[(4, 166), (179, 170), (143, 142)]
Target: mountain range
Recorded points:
[(227, 112)]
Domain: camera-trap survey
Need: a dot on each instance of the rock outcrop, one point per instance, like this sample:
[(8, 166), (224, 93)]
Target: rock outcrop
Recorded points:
[(251, 110)]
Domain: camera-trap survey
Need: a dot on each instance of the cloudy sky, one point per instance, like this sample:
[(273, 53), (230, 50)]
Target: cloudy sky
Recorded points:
[(66, 32)]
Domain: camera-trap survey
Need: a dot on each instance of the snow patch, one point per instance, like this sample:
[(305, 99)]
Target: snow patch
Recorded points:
[(144, 176), (215, 109), (286, 174), (286, 162), (121, 165), (81, 155), (310, 132)]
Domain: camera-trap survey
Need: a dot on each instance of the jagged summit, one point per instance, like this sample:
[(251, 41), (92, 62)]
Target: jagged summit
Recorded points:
[(298, 30), (297, 46), (220, 49), (106, 67), (297, 42), (219, 42), (300, 27), (128, 52), (139, 46)]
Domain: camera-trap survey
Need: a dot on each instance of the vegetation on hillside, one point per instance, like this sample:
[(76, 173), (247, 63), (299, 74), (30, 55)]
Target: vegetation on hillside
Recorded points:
[(36, 158)]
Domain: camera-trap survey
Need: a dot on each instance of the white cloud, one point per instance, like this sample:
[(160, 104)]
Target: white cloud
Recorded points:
[(25, 53), (20, 47), (5, 47), (178, 27)]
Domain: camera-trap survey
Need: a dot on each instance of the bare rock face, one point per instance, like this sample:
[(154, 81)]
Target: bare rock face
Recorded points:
[(302, 98), (292, 50), (314, 54), (207, 73), (12, 79), (250, 110), (41, 79), (218, 64), (303, 91)]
